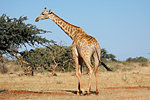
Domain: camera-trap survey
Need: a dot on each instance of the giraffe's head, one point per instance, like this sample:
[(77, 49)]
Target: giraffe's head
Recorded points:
[(44, 15)]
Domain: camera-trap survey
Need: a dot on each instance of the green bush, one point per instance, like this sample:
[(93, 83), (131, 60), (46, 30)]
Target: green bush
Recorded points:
[(137, 59), (106, 56), (42, 57)]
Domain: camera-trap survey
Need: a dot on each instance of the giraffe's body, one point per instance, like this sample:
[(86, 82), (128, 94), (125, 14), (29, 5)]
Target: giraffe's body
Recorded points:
[(83, 47)]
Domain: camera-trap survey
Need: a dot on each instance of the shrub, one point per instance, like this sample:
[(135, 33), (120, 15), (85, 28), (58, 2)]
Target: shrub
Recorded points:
[(137, 59), (3, 68)]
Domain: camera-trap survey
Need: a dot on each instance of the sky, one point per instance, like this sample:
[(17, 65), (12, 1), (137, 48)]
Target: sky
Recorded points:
[(122, 27)]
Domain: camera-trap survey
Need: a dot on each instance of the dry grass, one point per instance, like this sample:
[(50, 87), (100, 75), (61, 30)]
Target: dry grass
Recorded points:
[(63, 86), (9, 67)]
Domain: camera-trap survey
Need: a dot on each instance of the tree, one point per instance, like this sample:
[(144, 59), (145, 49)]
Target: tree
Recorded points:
[(15, 33), (50, 57), (106, 56)]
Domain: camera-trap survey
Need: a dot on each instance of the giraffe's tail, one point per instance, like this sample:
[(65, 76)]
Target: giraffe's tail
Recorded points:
[(107, 68), (100, 60)]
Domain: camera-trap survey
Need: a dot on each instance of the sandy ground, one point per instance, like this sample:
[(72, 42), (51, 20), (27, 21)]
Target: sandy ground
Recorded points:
[(128, 85)]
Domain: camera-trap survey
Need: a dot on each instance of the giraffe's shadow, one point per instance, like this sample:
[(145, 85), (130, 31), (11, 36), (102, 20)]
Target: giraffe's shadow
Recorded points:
[(75, 92), (51, 92)]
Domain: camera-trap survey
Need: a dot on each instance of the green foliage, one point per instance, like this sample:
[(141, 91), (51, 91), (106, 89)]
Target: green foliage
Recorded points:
[(37, 57), (63, 57), (137, 59), (42, 57), (15, 33), (106, 56)]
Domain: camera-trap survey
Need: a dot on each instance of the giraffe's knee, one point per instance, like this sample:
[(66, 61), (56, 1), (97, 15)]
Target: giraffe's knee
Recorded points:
[(78, 73), (91, 69), (96, 71)]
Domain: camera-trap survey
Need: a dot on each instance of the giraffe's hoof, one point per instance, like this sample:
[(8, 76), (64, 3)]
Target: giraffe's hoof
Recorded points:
[(97, 92), (78, 93), (89, 93), (83, 92)]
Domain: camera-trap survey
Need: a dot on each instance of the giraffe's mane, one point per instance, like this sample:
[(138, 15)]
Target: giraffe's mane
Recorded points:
[(64, 20)]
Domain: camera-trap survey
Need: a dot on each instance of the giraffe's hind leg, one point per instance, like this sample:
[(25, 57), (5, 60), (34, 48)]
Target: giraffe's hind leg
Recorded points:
[(91, 69), (96, 63), (78, 71), (80, 68)]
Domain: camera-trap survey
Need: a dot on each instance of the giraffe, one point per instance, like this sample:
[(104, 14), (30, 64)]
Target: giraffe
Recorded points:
[(83, 48)]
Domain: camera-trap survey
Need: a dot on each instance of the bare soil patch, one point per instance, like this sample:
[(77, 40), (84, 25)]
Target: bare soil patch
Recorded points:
[(136, 87), (114, 93)]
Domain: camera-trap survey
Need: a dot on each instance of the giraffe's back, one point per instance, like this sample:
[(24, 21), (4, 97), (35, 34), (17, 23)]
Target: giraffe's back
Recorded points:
[(86, 44)]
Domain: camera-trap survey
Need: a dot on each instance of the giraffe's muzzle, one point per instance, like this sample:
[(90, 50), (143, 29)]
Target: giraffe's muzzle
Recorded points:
[(37, 19)]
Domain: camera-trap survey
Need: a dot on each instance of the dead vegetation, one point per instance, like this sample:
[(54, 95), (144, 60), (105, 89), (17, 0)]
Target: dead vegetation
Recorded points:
[(127, 81), (13, 66)]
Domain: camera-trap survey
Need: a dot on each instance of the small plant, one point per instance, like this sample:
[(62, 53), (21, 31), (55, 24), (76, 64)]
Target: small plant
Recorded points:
[(59, 82), (125, 79), (144, 64), (3, 68)]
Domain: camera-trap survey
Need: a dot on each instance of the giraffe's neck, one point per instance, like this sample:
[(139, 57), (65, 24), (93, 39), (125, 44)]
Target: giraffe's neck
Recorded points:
[(69, 29)]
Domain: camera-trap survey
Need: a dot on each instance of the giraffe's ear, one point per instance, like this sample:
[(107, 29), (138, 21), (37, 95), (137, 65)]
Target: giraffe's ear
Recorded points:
[(50, 10)]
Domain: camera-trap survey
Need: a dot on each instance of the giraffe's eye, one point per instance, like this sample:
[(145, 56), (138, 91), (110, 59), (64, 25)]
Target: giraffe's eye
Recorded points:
[(43, 14)]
